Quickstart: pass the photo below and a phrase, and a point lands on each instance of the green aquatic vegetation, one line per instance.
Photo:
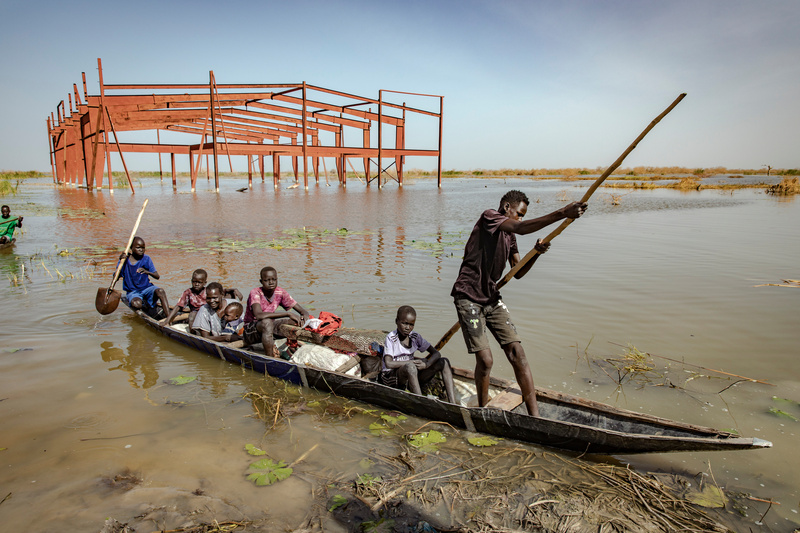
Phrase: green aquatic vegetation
(268, 472)
(393, 420)
(252, 450)
(383, 525)
(15, 350)
(483, 441)
(182, 380)
(439, 244)
(782, 414)
(292, 238)
(80, 212)
(366, 463)
(367, 480)
(337, 501)
(784, 400)
(427, 442)
(386, 424)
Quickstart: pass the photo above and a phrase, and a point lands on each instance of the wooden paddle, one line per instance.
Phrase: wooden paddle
(533, 253)
(107, 300)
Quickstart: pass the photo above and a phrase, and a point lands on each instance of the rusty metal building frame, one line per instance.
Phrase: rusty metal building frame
(252, 120)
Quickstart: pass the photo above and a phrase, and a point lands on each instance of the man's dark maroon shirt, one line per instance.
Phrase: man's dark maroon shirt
(486, 254)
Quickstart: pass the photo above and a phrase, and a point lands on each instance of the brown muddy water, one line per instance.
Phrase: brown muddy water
(85, 398)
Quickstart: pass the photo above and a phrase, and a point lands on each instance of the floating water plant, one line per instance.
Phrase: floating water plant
(427, 442)
(438, 244)
(252, 450)
(337, 501)
(368, 479)
(782, 414)
(268, 472)
(385, 425)
(182, 380)
(482, 441)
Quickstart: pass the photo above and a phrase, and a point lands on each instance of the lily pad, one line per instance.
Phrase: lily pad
(269, 472)
(182, 380)
(711, 496)
(482, 441)
(393, 420)
(252, 450)
(427, 442)
(378, 428)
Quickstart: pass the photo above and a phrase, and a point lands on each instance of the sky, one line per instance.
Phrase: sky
(526, 84)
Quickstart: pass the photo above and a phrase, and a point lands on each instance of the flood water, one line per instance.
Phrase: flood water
(84, 397)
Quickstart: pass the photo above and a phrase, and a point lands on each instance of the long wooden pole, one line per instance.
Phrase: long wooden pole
(556, 232)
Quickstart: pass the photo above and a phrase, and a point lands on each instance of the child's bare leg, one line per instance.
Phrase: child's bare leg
(266, 326)
(447, 377)
(408, 375)
(161, 294)
(136, 304)
(442, 365)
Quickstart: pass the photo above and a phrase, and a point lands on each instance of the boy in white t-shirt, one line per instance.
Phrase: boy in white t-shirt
(401, 369)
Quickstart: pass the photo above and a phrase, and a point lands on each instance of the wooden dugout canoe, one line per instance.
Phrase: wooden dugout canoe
(567, 422)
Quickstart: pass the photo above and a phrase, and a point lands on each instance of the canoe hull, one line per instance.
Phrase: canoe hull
(567, 422)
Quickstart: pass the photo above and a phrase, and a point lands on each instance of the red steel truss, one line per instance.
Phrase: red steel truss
(296, 120)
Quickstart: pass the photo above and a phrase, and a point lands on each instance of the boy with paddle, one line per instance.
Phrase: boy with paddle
(477, 299)
(136, 272)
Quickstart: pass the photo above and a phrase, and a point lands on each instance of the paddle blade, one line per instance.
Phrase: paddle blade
(106, 301)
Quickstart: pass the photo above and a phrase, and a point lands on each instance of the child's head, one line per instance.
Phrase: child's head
(269, 279)
(6, 211)
(199, 278)
(232, 312)
(137, 247)
(214, 295)
(405, 320)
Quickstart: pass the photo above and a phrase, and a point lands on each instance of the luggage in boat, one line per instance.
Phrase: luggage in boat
(324, 358)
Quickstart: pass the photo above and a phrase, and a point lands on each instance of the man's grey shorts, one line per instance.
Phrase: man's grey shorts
(475, 318)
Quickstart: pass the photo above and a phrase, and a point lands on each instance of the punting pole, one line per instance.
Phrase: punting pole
(533, 253)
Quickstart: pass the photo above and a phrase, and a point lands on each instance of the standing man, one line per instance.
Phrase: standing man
(493, 242)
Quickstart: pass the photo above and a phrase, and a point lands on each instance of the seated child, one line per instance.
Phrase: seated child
(262, 317)
(232, 319)
(8, 225)
(401, 369)
(208, 323)
(194, 298)
(136, 273)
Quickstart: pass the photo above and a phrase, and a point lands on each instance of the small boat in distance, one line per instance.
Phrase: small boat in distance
(567, 422)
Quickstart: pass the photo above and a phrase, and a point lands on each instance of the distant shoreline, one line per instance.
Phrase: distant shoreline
(635, 173)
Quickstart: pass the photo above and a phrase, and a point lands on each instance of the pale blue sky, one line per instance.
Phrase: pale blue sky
(526, 84)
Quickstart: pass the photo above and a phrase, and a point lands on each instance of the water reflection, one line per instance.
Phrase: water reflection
(143, 363)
